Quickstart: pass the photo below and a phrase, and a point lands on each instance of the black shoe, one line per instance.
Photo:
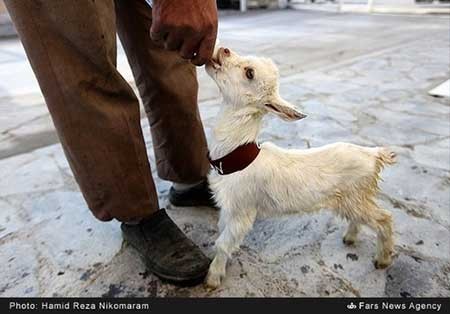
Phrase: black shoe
(166, 251)
(199, 195)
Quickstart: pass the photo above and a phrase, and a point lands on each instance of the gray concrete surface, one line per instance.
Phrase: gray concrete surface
(360, 78)
(6, 27)
(376, 6)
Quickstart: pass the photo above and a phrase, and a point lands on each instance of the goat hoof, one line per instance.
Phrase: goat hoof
(213, 280)
(348, 241)
(381, 265)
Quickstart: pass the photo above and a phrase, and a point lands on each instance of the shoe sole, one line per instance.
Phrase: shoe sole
(177, 200)
(190, 204)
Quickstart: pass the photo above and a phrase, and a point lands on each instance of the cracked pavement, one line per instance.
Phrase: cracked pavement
(360, 78)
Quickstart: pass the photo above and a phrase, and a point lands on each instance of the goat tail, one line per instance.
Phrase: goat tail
(385, 157)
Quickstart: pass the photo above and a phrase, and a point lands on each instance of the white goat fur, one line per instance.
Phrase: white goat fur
(341, 176)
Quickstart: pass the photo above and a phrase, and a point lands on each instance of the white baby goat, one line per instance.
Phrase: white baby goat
(341, 176)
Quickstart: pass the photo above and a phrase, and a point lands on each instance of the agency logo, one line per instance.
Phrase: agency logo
(351, 306)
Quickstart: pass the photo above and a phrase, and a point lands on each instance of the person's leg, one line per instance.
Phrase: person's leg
(71, 46)
(168, 88)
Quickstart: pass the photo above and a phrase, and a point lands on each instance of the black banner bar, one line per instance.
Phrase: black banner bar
(222, 305)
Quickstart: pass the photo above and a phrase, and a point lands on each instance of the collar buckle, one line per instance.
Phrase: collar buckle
(219, 168)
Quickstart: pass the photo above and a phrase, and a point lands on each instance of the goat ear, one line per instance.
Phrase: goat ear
(284, 110)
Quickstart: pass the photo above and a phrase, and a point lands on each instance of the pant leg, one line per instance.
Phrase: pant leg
(71, 46)
(168, 88)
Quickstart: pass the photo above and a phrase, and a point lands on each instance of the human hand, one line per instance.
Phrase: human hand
(188, 26)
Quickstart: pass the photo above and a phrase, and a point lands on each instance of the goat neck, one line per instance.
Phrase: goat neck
(234, 127)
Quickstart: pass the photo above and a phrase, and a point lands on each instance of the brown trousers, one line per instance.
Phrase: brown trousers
(71, 46)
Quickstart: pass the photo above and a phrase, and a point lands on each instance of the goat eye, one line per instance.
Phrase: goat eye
(250, 73)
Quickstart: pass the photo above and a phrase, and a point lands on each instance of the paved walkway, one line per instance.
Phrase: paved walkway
(360, 78)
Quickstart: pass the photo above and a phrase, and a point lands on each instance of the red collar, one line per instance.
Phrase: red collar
(237, 160)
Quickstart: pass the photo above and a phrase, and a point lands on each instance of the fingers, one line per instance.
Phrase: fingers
(205, 51)
(174, 41)
(189, 48)
(158, 34)
(190, 45)
(163, 37)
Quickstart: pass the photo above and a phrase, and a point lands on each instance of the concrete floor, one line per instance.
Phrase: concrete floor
(360, 78)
